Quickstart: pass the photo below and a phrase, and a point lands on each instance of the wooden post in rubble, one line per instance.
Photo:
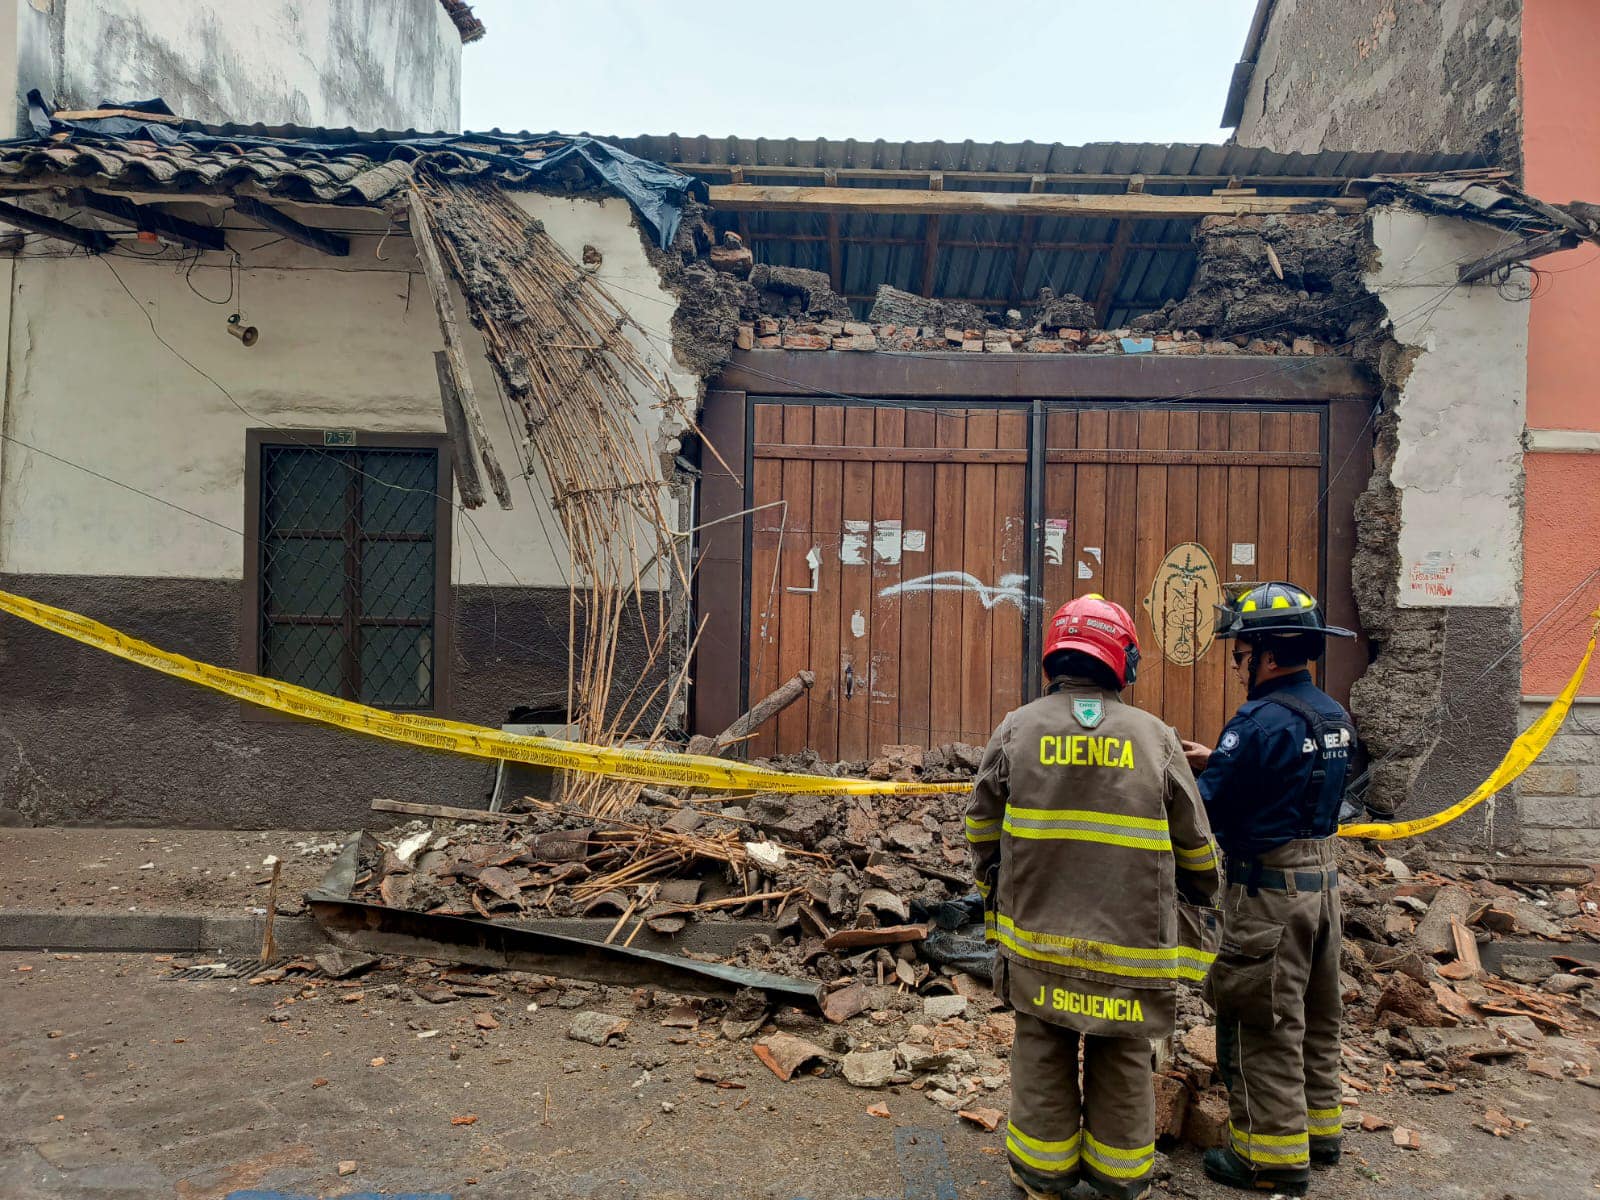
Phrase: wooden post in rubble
(269, 948)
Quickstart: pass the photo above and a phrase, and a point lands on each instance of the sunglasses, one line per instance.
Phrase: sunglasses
(1239, 656)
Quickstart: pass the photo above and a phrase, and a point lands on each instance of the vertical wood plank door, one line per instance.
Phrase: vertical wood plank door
(890, 548)
(1162, 509)
(915, 613)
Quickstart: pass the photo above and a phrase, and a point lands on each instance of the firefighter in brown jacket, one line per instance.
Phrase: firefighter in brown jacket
(1087, 838)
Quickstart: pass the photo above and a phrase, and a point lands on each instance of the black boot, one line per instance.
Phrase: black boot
(1035, 1188)
(1119, 1189)
(1226, 1167)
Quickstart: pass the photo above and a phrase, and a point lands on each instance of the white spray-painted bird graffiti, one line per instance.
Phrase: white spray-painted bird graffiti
(1008, 591)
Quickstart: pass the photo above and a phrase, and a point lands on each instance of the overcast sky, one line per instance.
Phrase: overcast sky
(1071, 71)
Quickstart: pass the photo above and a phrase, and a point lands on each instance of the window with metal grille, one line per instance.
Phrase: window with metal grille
(348, 549)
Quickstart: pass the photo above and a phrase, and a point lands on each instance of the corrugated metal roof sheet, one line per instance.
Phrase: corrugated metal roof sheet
(888, 249)
(1096, 158)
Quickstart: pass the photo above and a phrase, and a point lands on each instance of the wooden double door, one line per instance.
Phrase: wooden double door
(911, 554)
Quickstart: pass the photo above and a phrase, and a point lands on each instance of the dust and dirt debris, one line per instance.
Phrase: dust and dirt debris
(1066, 311)
(891, 306)
(1318, 289)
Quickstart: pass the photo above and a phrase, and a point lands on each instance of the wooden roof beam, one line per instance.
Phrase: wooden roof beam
(1030, 230)
(748, 171)
(148, 219)
(835, 242)
(969, 243)
(930, 244)
(1535, 247)
(93, 240)
(936, 202)
(1112, 272)
(307, 235)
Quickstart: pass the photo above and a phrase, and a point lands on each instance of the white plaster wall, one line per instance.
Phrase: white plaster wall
(10, 32)
(1458, 465)
(371, 64)
(345, 344)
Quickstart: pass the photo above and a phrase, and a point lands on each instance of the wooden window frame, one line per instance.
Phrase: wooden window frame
(443, 596)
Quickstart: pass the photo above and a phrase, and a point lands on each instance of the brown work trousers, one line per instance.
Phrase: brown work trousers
(1275, 987)
(1106, 1130)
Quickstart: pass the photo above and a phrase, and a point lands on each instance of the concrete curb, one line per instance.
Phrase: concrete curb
(154, 932)
(85, 929)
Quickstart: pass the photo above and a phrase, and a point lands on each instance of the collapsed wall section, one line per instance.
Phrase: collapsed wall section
(1434, 568)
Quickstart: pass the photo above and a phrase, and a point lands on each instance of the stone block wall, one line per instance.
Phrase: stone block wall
(1559, 796)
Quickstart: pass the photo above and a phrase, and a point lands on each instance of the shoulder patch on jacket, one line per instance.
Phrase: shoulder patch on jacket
(1229, 740)
(1088, 711)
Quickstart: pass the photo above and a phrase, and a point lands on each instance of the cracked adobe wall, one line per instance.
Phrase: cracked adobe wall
(1438, 575)
(371, 64)
(1388, 75)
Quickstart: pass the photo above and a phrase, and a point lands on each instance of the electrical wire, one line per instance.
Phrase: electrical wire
(344, 462)
(239, 533)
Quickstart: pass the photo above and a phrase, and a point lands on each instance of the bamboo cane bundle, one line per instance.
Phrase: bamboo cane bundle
(580, 370)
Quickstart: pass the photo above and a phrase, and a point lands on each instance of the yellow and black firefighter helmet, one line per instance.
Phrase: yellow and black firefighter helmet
(1274, 609)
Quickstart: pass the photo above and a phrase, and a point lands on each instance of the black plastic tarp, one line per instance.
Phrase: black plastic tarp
(656, 192)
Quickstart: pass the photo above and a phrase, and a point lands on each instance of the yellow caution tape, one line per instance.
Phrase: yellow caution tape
(1527, 747)
(456, 737)
(655, 766)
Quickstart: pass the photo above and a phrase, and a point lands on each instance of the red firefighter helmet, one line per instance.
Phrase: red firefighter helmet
(1095, 626)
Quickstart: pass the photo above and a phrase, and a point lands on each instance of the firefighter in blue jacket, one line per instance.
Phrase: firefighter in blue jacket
(1272, 790)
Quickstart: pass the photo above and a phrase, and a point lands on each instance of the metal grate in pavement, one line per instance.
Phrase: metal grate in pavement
(225, 968)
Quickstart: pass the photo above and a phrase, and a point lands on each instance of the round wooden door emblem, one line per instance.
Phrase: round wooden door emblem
(1182, 600)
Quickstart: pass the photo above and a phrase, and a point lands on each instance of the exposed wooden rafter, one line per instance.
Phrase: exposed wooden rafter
(93, 240)
(930, 240)
(318, 239)
(967, 243)
(456, 425)
(149, 219)
(935, 202)
(1545, 243)
(1111, 273)
(1030, 230)
(746, 172)
(422, 236)
(835, 242)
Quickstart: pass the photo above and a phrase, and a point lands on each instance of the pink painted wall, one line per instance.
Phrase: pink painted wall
(1561, 531)
(1561, 154)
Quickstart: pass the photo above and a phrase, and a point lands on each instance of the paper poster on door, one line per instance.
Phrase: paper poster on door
(1056, 530)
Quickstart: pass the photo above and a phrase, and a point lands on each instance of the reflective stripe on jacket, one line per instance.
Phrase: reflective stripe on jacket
(1085, 826)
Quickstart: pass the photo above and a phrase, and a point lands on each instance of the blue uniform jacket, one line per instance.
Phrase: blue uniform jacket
(1255, 786)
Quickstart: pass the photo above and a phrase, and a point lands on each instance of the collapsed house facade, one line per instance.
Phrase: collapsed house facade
(1511, 82)
(870, 412)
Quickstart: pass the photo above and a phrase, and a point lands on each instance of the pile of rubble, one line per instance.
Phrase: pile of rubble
(837, 877)
(1041, 337)
(1452, 968)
